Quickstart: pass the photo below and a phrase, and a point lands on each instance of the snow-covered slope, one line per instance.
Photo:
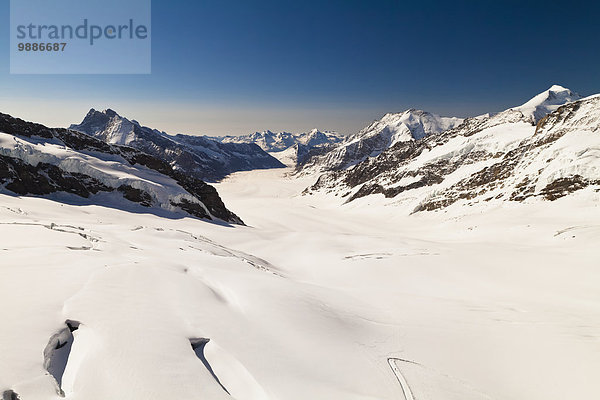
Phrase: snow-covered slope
(310, 301)
(42, 161)
(489, 158)
(289, 156)
(371, 141)
(199, 156)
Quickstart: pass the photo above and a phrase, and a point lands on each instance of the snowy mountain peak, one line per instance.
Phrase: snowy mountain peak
(315, 137)
(410, 124)
(392, 128)
(557, 88)
(199, 156)
(110, 113)
(108, 126)
(548, 101)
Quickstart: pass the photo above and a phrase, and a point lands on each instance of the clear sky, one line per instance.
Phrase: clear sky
(238, 66)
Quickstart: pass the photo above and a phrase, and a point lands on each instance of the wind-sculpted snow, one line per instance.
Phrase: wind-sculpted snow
(199, 156)
(229, 373)
(312, 300)
(140, 296)
(57, 351)
(488, 158)
(41, 161)
(199, 345)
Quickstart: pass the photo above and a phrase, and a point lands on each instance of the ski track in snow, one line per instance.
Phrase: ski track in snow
(403, 383)
(427, 384)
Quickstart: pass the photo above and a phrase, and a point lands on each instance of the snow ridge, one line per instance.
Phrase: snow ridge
(547, 102)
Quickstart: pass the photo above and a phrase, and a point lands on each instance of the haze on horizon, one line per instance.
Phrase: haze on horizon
(292, 66)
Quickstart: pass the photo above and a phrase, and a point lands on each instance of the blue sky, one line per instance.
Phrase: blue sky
(237, 66)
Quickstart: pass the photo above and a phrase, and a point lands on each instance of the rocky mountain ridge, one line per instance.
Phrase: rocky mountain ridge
(393, 128)
(488, 158)
(200, 156)
(36, 160)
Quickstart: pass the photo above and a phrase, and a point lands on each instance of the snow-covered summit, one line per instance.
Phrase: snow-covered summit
(547, 101)
(315, 137)
(108, 126)
(408, 125)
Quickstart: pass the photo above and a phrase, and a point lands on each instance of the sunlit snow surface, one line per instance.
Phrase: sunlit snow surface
(312, 300)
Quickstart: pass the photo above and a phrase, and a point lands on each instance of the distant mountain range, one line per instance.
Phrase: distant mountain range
(287, 147)
(546, 148)
(280, 141)
(199, 156)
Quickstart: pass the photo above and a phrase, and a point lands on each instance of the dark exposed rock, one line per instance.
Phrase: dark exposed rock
(136, 195)
(208, 195)
(564, 186)
(367, 189)
(306, 155)
(195, 209)
(10, 395)
(22, 178)
(16, 126)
